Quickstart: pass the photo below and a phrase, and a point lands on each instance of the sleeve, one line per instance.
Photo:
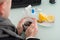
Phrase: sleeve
(32, 38)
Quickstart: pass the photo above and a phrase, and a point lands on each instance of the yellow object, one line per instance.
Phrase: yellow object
(42, 17)
(50, 18)
(45, 18)
(39, 21)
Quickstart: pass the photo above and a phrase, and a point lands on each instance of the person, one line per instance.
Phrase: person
(8, 30)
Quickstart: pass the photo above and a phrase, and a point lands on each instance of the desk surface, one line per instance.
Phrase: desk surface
(52, 33)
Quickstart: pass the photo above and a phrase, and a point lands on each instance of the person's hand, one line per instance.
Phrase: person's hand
(19, 26)
(32, 29)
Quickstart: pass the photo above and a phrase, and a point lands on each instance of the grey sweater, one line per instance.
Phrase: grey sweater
(9, 32)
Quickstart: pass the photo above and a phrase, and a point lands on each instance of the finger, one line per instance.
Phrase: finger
(30, 27)
(34, 21)
(19, 26)
(21, 22)
(33, 26)
(20, 30)
(28, 31)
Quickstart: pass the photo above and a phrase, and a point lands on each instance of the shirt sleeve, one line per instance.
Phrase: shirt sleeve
(32, 38)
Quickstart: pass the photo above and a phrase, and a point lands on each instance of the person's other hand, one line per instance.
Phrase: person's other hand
(19, 26)
(32, 29)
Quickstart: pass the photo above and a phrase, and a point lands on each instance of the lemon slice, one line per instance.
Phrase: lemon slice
(50, 18)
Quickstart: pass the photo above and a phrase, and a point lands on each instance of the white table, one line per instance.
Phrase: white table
(52, 33)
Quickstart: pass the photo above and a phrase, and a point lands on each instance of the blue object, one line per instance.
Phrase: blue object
(33, 11)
